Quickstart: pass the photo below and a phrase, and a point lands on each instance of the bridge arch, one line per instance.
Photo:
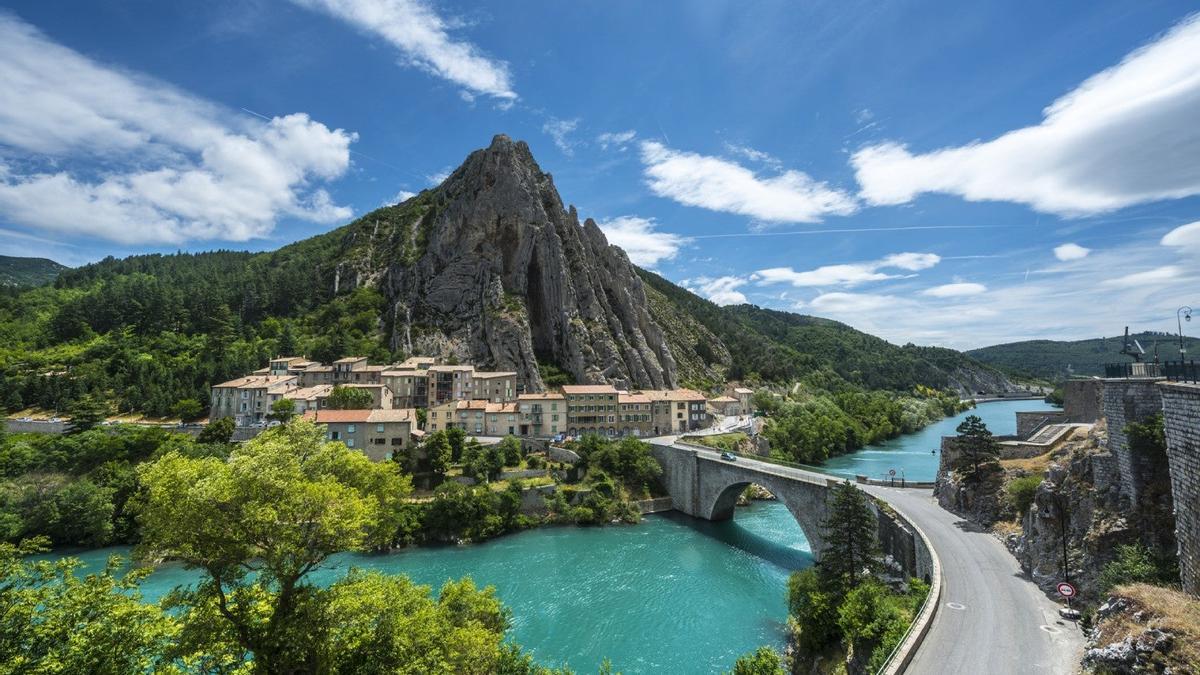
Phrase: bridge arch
(806, 504)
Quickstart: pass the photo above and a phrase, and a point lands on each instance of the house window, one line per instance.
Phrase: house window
(349, 442)
(350, 428)
(379, 428)
(335, 435)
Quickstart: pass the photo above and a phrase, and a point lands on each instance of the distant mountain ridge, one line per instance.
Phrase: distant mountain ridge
(489, 268)
(1058, 359)
(17, 271)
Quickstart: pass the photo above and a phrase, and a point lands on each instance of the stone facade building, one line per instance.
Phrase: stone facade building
(376, 433)
(248, 399)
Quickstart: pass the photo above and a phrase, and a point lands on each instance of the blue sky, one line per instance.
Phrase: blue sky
(944, 173)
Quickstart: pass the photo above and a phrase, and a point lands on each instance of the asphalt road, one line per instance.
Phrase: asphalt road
(991, 620)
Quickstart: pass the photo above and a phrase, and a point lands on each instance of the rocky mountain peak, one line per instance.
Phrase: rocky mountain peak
(508, 277)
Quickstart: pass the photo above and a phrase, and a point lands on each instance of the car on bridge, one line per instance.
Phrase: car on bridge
(728, 456)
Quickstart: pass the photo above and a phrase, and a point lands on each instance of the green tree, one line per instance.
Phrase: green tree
(217, 432)
(86, 413)
(257, 525)
(1135, 563)
(55, 620)
(1021, 492)
(763, 661)
(978, 450)
(510, 448)
(851, 550)
(283, 410)
(872, 622)
(76, 514)
(348, 398)
(457, 438)
(813, 605)
(438, 452)
(187, 409)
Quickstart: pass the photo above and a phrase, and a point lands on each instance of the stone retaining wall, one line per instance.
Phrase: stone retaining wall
(1129, 400)
(1029, 422)
(1181, 422)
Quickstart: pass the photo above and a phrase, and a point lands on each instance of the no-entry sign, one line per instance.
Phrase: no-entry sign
(1066, 590)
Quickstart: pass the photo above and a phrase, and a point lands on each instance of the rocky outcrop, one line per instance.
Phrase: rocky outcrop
(1079, 499)
(498, 272)
(1145, 629)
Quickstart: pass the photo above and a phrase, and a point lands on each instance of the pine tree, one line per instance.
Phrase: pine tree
(85, 414)
(978, 450)
(852, 549)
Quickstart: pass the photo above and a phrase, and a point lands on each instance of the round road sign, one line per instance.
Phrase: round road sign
(1066, 590)
(892, 472)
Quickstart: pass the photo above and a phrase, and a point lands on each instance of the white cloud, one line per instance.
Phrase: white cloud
(1184, 237)
(721, 185)
(400, 197)
(955, 290)
(617, 139)
(1068, 252)
(436, 179)
(560, 130)
(754, 155)
(850, 274)
(121, 156)
(721, 290)
(856, 303)
(1126, 135)
(641, 241)
(423, 37)
(1060, 302)
(1158, 275)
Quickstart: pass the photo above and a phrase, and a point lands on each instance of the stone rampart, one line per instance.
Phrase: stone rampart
(1126, 401)
(1181, 423)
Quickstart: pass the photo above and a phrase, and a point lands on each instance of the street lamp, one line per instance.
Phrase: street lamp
(1186, 313)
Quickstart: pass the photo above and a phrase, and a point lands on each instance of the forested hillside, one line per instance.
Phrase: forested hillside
(1056, 360)
(16, 271)
(440, 272)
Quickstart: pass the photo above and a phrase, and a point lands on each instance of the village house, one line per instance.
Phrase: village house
(744, 397)
(408, 386)
(635, 413)
(497, 387)
(541, 415)
(591, 409)
(248, 399)
(381, 396)
(376, 433)
(448, 383)
(309, 398)
(676, 410)
(724, 406)
(500, 419)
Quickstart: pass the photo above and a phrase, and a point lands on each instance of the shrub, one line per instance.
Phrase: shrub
(1134, 564)
(1021, 492)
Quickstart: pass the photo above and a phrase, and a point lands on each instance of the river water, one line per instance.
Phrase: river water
(910, 455)
(671, 595)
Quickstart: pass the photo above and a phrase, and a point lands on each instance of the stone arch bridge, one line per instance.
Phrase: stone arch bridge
(703, 485)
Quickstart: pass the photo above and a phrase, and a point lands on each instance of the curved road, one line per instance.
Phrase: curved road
(992, 620)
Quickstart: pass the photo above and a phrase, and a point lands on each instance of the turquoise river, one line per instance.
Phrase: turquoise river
(671, 595)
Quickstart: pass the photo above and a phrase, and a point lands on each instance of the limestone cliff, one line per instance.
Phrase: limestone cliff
(489, 267)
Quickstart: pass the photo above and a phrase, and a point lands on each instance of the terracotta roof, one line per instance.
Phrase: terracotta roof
(257, 381)
(540, 397)
(338, 416)
(485, 374)
(723, 399)
(632, 398)
(309, 393)
(686, 395)
(743, 390)
(393, 415)
(360, 416)
(444, 368)
(501, 408)
(474, 404)
(588, 389)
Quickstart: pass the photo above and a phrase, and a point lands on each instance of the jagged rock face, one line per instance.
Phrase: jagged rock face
(508, 275)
